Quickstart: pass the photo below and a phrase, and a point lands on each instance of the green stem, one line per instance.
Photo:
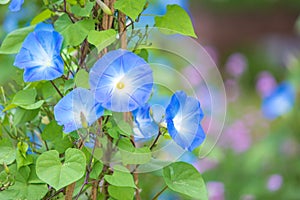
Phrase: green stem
(56, 88)
(159, 193)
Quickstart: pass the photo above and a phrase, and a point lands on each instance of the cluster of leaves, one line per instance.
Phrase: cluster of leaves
(39, 160)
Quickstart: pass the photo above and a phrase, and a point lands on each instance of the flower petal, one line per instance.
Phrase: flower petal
(183, 116)
(129, 70)
(145, 127)
(40, 54)
(78, 102)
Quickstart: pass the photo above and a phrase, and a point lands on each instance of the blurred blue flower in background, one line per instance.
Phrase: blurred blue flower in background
(15, 5)
(145, 126)
(183, 117)
(121, 80)
(77, 109)
(1, 109)
(36, 142)
(280, 101)
(40, 54)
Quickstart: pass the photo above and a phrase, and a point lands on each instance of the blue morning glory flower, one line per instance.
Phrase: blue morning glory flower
(280, 101)
(15, 5)
(121, 80)
(77, 109)
(40, 54)
(145, 126)
(183, 116)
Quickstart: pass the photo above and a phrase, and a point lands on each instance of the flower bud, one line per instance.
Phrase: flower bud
(104, 7)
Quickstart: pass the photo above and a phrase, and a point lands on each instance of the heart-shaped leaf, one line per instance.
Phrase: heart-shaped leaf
(121, 177)
(50, 169)
(184, 178)
(7, 152)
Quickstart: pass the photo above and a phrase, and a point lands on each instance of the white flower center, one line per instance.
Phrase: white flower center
(48, 62)
(177, 121)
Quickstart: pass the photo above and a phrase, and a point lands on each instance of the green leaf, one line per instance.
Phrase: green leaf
(102, 39)
(33, 106)
(121, 177)
(82, 79)
(21, 157)
(57, 174)
(24, 97)
(7, 152)
(54, 133)
(46, 14)
(126, 145)
(143, 53)
(69, 84)
(121, 193)
(21, 116)
(74, 34)
(4, 1)
(96, 170)
(82, 12)
(33, 178)
(176, 20)
(12, 43)
(184, 178)
(62, 23)
(72, 2)
(22, 189)
(131, 8)
(125, 128)
(138, 156)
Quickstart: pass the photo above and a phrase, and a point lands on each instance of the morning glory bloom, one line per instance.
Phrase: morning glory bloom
(280, 101)
(121, 81)
(183, 116)
(77, 109)
(15, 5)
(145, 126)
(40, 54)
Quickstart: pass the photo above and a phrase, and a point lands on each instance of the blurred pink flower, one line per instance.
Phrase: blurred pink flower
(274, 182)
(248, 197)
(232, 90)
(192, 75)
(212, 51)
(236, 64)
(237, 136)
(265, 84)
(215, 190)
(206, 164)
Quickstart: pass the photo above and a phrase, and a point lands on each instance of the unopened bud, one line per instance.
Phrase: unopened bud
(104, 7)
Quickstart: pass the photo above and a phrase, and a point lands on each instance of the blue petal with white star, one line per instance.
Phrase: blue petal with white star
(183, 117)
(40, 54)
(121, 80)
(76, 109)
